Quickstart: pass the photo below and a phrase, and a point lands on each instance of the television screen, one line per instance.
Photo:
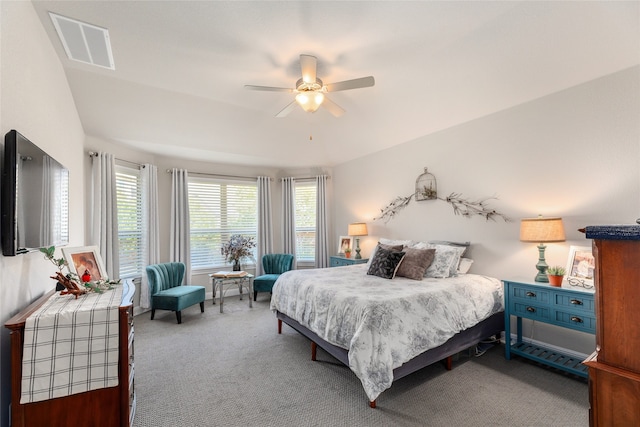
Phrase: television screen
(35, 198)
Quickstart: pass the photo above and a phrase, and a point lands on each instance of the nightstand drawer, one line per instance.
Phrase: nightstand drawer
(577, 321)
(531, 294)
(530, 311)
(338, 261)
(574, 302)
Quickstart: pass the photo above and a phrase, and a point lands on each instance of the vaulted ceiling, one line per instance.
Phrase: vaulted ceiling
(181, 66)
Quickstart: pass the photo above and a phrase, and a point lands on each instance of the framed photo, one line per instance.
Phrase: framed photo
(85, 258)
(581, 264)
(344, 242)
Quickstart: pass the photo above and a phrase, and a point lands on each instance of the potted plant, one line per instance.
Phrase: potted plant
(555, 274)
(237, 248)
(347, 253)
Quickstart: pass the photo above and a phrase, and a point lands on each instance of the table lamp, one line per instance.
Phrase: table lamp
(541, 230)
(357, 229)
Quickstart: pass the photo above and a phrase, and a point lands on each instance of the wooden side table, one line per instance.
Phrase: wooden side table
(245, 281)
(339, 261)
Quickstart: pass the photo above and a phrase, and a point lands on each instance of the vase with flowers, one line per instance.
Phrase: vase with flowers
(237, 248)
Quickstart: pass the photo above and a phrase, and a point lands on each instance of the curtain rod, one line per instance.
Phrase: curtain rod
(94, 154)
(305, 178)
(221, 175)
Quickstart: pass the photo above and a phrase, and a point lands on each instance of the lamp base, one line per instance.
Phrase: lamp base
(541, 265)
(540, 277)
(358, 256)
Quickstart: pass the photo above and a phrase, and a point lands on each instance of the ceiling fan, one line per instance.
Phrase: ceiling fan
(310, 90)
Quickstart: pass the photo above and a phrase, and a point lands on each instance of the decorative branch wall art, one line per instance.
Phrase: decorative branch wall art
(426, 190)
(461, 206)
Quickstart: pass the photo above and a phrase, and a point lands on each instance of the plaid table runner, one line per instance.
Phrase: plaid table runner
(71, 346)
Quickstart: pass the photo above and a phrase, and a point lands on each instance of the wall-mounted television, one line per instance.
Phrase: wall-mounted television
(35, 198)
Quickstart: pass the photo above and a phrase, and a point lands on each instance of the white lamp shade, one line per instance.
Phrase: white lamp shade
(357, 229)
(542, 230)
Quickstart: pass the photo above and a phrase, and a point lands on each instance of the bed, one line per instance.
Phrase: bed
(386, 329)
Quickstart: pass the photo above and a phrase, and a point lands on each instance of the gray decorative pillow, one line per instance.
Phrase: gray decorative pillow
(415, 263)
(385, 263)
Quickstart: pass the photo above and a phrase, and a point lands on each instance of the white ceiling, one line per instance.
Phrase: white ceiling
(180, 68)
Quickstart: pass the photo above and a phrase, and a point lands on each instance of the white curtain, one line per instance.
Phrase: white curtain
(289, 216)
(180, 236)
(322, 223)
(265, 227)
(104, 215)
(151, 227)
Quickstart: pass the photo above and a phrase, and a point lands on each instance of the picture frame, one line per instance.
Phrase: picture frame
(581, 264)
(344, 242)
(85, 258)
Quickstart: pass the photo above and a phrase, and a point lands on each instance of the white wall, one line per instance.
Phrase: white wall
(574, 154)
(35, 99)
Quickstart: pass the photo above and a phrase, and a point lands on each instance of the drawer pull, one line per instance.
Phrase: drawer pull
(531, 294)
(576, 319)
(576, 302)
(531, 309)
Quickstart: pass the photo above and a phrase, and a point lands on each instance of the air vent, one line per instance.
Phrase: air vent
(84, 42)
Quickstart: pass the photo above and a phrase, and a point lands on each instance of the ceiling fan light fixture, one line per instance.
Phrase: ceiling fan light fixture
(310, 101)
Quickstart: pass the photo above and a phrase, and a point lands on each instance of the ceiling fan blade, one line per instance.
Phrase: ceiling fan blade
(351, 84)
(269, 88)
(308, 64)
(333, 108)
(286, 110)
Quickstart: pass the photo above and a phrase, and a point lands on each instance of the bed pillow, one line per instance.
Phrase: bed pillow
(395, 242)
(447, 253)
(385, 263)
(415, 263)
(465, 265)
(396, 247)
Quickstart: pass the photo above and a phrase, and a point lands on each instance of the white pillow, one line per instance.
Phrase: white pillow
(465, 265)
(391, 242)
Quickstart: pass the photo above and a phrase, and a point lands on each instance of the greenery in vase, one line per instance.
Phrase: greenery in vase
(238, 247)
(556, 270)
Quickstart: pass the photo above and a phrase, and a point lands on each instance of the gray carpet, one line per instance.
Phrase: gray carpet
(233, 369)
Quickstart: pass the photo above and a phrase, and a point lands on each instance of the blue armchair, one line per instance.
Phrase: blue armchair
(273, 265)
(166, 290)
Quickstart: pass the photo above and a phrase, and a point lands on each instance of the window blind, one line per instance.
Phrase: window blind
(219, 208)
(130, 222)
(305, 221)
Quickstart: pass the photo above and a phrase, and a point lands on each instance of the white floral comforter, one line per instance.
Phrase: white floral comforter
(384, 323)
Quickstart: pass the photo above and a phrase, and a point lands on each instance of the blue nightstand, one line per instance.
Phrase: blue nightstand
(567, 307)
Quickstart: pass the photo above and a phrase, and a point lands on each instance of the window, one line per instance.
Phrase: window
(131, 234)
(306, 221)
(218, 209)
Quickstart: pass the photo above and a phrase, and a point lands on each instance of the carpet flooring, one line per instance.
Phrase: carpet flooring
(233, 369)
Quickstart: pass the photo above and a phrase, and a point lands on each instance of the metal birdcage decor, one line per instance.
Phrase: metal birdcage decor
(426, 188)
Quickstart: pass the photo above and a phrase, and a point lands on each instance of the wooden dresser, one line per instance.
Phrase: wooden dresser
(614, 368)
(113, 406)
